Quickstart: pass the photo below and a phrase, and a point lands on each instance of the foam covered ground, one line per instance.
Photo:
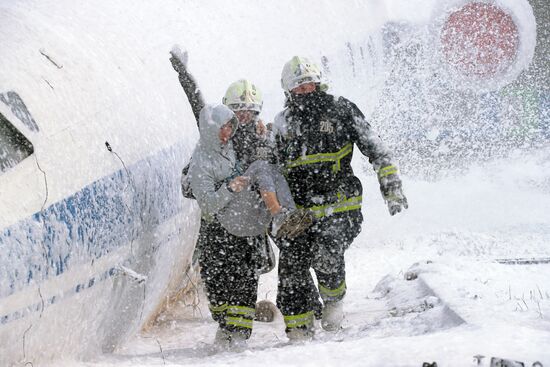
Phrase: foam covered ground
(462, 303)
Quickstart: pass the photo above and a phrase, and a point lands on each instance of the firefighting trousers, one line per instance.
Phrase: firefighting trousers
(229, 271)
(322, 248)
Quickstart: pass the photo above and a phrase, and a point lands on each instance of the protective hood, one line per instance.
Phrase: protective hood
(212, 163)
(212, 118)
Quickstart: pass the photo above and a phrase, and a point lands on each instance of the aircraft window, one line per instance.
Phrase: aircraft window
(14, 147)
(19, 109)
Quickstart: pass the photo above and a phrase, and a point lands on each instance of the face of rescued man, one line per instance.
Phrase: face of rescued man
(226, 131)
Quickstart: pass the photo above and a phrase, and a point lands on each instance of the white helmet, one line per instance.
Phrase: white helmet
(300, 70)
(243, 95)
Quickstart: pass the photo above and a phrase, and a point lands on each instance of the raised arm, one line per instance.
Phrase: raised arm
(178, 58)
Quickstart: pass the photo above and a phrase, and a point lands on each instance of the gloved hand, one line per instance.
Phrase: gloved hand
(392, 191)
(178, 58)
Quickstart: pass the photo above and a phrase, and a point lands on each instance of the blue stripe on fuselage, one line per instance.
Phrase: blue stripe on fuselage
(110, 212)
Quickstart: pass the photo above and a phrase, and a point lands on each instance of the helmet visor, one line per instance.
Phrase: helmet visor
(245, 107)
(303, 80)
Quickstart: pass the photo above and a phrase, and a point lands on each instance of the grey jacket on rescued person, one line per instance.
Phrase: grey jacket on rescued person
(213, 165)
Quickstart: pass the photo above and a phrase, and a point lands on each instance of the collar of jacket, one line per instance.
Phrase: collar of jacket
(308, 108)
(316, 100)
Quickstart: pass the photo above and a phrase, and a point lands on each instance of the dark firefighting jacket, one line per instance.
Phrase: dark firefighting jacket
(314, 138)
(249, 146)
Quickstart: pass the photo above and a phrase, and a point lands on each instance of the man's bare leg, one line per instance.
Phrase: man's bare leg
(271, 202)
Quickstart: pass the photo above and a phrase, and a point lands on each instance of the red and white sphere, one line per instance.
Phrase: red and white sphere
(487, 41)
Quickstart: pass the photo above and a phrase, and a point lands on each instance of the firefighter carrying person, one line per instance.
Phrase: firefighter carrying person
(315, 136)
(231, 154)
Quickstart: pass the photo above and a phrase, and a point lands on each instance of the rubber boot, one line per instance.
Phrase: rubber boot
(238, 342)
(333, 315)
(302, 333)
(222, 338)
(230, 340)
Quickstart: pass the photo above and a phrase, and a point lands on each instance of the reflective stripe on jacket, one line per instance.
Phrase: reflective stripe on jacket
(315, 139)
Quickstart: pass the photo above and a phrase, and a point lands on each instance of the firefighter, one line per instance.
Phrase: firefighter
(231, 302)
(315, 136)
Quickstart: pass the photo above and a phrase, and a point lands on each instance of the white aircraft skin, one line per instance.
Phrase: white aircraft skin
(94, 232)
(76, 219)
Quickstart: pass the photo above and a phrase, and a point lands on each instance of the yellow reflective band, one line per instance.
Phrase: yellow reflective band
(341, 206)
(241, 310)
(238, 321)
(219, 308)
(323, 157)
(333, 292)
(386, 171)
(302, 319)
